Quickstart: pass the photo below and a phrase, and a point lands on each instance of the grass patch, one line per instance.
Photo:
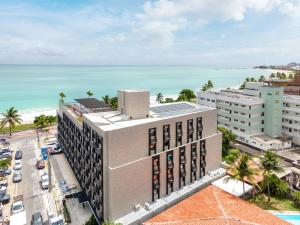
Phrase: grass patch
(281, 204)
(19, 127)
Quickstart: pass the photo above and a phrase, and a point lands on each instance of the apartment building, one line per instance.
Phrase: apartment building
(291, 117)
(255, 114)
(137, 154)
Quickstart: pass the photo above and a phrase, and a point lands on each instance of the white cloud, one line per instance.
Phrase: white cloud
(163, 18)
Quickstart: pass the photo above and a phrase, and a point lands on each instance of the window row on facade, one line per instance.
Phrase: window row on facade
(197, 154)
(191, 130)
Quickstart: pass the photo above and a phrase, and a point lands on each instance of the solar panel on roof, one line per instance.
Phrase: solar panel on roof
(171, 108)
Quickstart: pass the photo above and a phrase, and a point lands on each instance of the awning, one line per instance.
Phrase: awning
(234, 187)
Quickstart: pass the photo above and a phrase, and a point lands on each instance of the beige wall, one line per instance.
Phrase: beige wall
(131, 143)
(128, 166)
(131, 184)
(134, 103)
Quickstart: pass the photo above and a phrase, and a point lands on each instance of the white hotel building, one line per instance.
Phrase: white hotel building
(261, 116)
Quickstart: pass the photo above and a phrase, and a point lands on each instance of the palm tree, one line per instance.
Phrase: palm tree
(89, 93)
(159, 98)
(62, 96)
(240, 170)
(106, 99)
(270, 163)
(11, 118)
(40, 122)
(261, 78)
(210, 85)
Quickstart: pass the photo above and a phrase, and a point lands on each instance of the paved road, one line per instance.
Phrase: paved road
(35, 199)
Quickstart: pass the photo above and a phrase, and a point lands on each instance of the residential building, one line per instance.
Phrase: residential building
(257, 114)
(132, 157)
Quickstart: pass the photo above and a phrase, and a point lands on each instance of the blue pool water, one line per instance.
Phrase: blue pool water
(292, 218)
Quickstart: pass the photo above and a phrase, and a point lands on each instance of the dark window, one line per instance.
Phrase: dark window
(178, 134)
(182, 165)
(190, 130)
(170, 174)
(166, 137)
(155, 178)
(199, 128)
(152, 141)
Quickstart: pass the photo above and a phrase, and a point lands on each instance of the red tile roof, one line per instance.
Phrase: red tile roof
(213, 206)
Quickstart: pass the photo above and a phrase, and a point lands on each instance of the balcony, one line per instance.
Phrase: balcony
(170, 164)
(166, 137)
(182, 173)
(170, 178)
(156, 184)
(155, 170)
(182, 159)
(179, 133)
(194, 156)
(203, 163)
(153, 140)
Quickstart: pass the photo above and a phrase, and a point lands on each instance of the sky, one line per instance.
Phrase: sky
(157, 32)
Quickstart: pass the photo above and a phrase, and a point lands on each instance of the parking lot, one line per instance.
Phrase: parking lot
(34, 197)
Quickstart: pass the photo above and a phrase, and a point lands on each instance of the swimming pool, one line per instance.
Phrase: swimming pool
(292, 218)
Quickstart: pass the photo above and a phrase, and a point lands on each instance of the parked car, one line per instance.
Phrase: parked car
(4, 198)
(17, 205)
(3, 190)
(4, 171)
(37, 219)
(17, 177)
(18, 164)
(5, 155)
(3, 182)
(45, 181)
(40, 164)
(18, 155)
(4, 150)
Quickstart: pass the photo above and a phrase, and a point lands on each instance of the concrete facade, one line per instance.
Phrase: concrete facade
(139, 153)
(254, 114)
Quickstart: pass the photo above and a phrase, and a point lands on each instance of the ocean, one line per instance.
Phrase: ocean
(32, 88)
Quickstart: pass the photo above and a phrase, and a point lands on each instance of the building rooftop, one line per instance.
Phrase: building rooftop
(212, 206)
(92, 103)
(111, 120)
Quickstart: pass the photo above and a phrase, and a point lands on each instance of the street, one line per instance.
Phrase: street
(35, 199)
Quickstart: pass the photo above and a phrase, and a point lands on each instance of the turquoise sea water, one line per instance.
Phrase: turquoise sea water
(292, 218)
(31, 87)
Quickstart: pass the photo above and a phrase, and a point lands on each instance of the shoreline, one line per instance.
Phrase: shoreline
(28, 115)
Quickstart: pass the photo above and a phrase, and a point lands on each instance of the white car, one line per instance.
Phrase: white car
(45, 181)
(17, 207)
(18, 165)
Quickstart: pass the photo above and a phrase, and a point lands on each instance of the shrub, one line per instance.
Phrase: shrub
(66, 212)
(282, 189)
(296, 198)
(91, 221)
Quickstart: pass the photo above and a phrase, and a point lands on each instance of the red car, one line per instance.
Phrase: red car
(40, 164)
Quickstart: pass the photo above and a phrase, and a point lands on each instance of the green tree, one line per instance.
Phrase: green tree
(168, 100)
(114, 102)
(92, 221)
(296, 198)
(272, 75)
(252, 79)
(89, 93)
(233, 154)
(291, 76)
(240, 170)
(40, 122)
(10, 118)
(227, 137)
(159, 97)
(204, 87)
(269, 162)
(186, 95)
(62, 96)
(261, 78)
(106, 99)
(210, 85)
